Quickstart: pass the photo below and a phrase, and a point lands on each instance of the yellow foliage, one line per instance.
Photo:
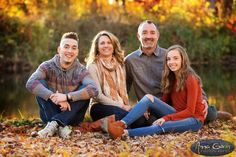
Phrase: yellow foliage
(229, 136)
(212, 100)
(196, 12)
(126, 146)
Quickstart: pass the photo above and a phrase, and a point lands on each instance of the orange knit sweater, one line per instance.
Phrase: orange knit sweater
(187, 102)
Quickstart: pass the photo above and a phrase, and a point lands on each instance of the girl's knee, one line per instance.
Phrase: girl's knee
(150, 97)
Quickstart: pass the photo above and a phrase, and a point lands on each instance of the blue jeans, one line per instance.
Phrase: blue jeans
(211, 114)
(99, 111)
(50, 111)
(160, 108)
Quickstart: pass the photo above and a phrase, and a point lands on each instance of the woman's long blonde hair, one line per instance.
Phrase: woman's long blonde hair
(185, 69)
(93, 53)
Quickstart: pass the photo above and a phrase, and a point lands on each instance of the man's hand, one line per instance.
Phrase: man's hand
(64, 106)
(58, 97)
(205, 111)
(159, 121)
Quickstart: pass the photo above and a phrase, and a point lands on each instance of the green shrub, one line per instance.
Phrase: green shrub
(13, 38)
(204, 44)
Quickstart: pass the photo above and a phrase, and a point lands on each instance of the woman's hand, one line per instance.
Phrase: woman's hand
(126, 107)
(159, 121)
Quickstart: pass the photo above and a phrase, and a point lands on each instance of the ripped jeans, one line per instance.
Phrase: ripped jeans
(161, 109)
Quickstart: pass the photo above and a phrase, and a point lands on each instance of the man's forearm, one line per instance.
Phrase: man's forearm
(85, 93)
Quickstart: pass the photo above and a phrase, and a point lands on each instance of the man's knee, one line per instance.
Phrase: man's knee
(150, 97)
(40, 101)
(79, 104)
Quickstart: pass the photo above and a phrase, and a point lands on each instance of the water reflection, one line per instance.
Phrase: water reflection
(17, 102)
(219, 83)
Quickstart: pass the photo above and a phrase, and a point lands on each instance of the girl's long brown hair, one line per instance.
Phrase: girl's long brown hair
(169, 76)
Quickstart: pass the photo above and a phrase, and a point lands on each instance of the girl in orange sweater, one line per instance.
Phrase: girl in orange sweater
(181, 88)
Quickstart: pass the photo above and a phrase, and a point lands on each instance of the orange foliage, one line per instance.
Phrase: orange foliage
(231, 23)
(23, 9)
(196, 12)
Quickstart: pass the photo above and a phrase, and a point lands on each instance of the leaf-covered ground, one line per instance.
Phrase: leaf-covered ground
(16, 139)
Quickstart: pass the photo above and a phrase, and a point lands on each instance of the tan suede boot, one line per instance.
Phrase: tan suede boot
(116, 129)
(99, 125)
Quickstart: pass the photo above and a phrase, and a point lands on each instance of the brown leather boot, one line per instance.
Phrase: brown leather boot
(116, 129)
(223, 115)
(99, 125)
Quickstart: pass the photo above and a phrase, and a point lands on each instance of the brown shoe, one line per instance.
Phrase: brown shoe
(223, 115)
(116, 129)
(97, 125)
(105, 122)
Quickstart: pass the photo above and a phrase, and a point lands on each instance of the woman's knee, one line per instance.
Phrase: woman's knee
(150, 97)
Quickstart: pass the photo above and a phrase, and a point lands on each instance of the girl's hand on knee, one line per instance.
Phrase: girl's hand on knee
(159, 121)
(126, 107)
(205, 111)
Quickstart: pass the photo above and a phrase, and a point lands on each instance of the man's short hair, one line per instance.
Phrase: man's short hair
(149, 22)
(71, 35)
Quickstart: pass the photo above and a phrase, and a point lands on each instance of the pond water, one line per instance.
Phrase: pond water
(218, 82)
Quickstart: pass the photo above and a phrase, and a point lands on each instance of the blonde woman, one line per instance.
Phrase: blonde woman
(106, 66)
